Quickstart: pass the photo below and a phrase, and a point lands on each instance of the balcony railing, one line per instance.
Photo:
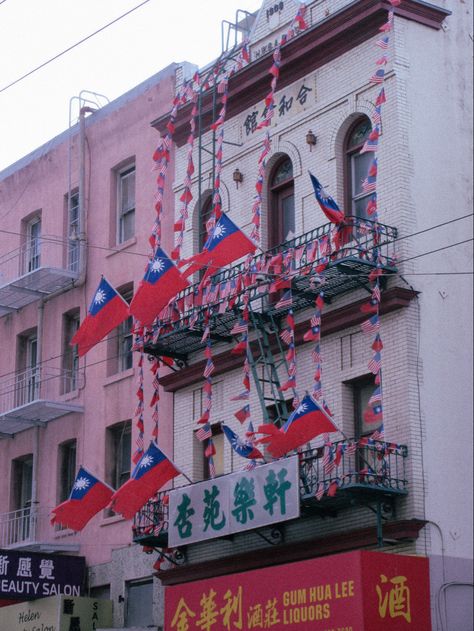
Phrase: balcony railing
(179, 331)
(367, 471)
(18, 528)
(36, 395)
(30, 529)
(34, 270)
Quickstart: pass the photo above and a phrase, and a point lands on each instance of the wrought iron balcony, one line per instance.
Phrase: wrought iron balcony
(368, 473)
(35, 396)
(370, 244)
(34, 270)
(30, 529)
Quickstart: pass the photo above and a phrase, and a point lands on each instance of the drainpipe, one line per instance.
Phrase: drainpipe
(36, 430)
(82, 195)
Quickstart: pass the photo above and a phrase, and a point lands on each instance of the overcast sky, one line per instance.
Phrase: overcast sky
(126, 53)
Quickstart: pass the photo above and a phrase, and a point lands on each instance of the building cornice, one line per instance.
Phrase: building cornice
(331, 322)
(315, 47)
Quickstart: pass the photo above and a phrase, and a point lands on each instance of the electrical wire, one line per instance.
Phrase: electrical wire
(81, 41)
(61, 241)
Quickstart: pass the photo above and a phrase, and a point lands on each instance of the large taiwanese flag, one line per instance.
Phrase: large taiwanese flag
(309, 420)
(162, 281)
(107, 310)
(153, 471)
(225, 244)
(88, 496)
(326, 202)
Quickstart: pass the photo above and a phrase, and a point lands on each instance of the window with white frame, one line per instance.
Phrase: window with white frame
(32, 255)
(73, 231)
(126, 204)
(71, 323)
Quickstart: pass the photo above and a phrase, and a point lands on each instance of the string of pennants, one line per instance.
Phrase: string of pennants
(156, 301)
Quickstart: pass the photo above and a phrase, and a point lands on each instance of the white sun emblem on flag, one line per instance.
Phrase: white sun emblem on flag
(219, 231)
(157, 266)
(301, 408)
(146, 461)
(99, 296)
(81, 484)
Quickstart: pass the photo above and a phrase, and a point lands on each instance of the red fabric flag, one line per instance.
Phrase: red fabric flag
(161, 282)
(88, 496)
(304, 424)
(152, 472)
(107, 310)
(226, 244)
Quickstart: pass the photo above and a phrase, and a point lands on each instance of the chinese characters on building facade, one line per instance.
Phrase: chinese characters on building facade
(292, 100)
(233, 503)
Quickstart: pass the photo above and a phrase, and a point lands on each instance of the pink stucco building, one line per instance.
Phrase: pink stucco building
(80, 206)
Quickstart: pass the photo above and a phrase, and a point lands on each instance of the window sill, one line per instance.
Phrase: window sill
(107, 521)
(64, 532)
(68, 396)
(119, 247)
(126, 374)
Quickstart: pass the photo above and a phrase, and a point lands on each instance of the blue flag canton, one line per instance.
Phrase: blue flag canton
(243, 448)
(321, 194)
(150, 459)
(82, 485)
(223, 228)
(158, 266)
(103, 295)
(306, 406)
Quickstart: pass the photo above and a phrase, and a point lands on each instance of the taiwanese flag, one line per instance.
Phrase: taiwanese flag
(152, 472)
(305, 423)
(373, 413)
(241, 447)
(162, 281)
(107, 310)
(226, 244)
(88, 496)
(326, 202)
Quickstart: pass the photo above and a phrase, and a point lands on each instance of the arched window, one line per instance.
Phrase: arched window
(356, 168)
(281, 217)
(205, 212)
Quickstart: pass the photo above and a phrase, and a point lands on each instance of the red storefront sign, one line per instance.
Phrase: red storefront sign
(356, 591)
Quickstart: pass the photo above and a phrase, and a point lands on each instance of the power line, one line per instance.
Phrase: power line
(60, 240)
(84, 39)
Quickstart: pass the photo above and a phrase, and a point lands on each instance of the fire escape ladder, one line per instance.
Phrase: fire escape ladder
(265, 358)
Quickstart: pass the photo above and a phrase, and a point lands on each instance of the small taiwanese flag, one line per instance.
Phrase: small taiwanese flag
(326, 202)
(152, 472)
(107, 310)
(373, 413)
(244, 448)
(162, 281)
(88, 496)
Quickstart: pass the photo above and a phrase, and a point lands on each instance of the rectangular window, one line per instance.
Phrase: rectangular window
(124, 344)
(126, 204)
(67, 468)
(28, 373)
(139, 611)
(32, 255)
(119, 453)
(22, 477)
(73, 232)
(20, 527)
(218, 457)
(70, 353)
(362, 390)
